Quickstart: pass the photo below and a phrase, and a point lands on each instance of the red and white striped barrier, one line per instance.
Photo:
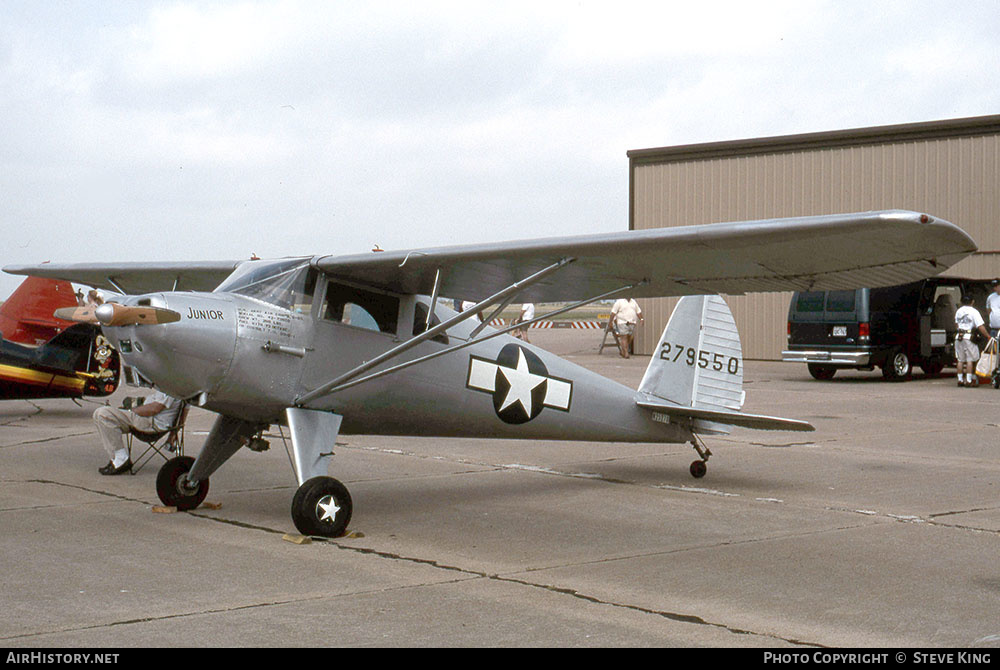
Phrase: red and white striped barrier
(579, 324)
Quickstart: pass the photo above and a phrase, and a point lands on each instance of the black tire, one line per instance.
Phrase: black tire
(822, 372)
(932, 368)
(170, 486)
(698, 469)
(897, 365)
(315, 500)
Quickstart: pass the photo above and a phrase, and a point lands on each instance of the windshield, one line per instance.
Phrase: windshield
(288, 284)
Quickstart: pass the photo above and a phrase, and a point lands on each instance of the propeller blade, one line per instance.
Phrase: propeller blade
(113, 314)
(78, 314)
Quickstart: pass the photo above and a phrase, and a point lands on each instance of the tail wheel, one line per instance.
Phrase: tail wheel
(173, 487)
(322, 506)
(698, 469)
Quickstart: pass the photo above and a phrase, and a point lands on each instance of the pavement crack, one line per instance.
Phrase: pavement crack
(45, 439)
(672, 616)
(961, 511)
(38, 410)
(81, 488)
(700, 547)
(217, 610)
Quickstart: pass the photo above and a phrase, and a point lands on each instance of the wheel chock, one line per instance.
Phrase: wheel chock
(164, 510)
(296, 539)
(211, 505)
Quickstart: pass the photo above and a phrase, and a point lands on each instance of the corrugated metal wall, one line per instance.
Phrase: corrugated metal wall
(956, 178)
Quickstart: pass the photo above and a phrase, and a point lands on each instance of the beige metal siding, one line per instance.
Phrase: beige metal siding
(955, 178)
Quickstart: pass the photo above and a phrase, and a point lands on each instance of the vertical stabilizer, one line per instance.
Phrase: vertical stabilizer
(699, 360)
(26, 316)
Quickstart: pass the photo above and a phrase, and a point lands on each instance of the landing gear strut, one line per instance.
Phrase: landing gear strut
(699, 468)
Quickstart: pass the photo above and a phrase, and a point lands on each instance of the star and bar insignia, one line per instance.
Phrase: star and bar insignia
(520, 384)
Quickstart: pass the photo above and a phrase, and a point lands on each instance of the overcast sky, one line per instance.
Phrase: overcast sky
(213, 130)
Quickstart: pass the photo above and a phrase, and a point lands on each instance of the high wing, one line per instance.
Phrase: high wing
(135, 278)
(815, 252)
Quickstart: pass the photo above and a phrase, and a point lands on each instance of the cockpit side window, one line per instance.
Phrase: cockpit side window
(361, 308)
(286, 284)
(420, 323)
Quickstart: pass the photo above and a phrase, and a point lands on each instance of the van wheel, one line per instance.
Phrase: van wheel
(822, 372)
(897, 365)
(932, 368)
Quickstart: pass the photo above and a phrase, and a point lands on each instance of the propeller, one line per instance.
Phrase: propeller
(78, 314)
(113, 314)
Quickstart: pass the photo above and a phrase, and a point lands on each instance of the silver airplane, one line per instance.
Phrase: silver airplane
(363, 344)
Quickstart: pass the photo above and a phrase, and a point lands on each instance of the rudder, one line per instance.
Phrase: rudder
(698, 361)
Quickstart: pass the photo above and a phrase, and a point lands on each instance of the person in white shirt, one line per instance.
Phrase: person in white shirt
(527, 314)
(156, 414)
(625, 316)
(968, 319)
(993, 305)
(467, 305)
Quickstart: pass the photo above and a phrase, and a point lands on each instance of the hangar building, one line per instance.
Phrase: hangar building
(950, 169)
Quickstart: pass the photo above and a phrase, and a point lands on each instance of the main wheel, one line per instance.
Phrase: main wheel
(322, 506)
(822, 372)
(698, 469)
(897, 365)
(173, 487)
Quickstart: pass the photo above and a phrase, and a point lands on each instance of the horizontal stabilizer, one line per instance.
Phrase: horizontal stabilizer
(754, 421)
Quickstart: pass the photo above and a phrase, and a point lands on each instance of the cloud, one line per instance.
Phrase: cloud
(191, 130)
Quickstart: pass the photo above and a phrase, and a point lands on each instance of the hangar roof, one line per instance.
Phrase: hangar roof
(929, 130)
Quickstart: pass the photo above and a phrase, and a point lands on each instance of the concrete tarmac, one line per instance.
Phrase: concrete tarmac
(881, 528)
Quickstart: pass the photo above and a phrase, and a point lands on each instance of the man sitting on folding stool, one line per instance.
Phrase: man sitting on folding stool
(156, 415)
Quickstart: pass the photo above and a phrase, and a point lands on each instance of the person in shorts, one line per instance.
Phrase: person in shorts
(968, 319)
(625, 316)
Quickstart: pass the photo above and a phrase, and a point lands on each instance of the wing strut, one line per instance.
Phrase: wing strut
(494, 314)
(513, 289)
(434, 298)
(115, 284)
(333, 388)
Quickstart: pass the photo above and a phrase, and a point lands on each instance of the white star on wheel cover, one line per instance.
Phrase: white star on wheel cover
(326, 509)
(519, 383)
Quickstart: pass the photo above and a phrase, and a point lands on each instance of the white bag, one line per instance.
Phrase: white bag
(987, 360)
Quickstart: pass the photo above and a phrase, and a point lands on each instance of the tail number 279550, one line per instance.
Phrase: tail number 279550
(704, 359)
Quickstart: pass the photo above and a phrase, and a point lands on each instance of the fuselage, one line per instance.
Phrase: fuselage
(248, 358)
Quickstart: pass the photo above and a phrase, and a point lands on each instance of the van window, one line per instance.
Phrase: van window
(900, 299)
(946, 302)
(810, 301)
(840, 301)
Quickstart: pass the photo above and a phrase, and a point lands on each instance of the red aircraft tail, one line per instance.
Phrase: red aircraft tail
(26, 316)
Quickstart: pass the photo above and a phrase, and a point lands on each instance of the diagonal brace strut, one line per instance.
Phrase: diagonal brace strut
(443, 352)
(513, 289)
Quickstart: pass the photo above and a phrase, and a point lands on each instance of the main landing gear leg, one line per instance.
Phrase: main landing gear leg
(182, 482)
(699, 468)
(322, 505)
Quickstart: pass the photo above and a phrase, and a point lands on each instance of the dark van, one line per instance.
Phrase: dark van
(892, 328)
